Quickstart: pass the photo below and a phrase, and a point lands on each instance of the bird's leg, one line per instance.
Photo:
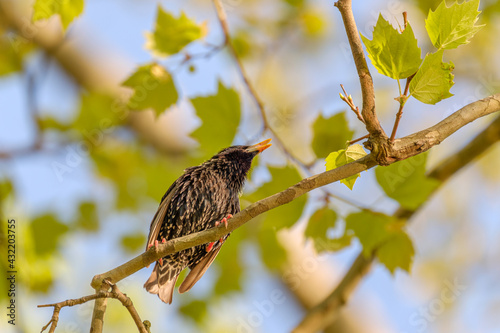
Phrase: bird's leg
(163, 241)
(224, 220)
(210, 246)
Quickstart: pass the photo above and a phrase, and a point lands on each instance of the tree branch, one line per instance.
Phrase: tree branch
(410, 146)
(368, 108)
(325, 313)
(115, 293)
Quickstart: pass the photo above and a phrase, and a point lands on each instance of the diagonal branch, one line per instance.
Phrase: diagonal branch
(365, 78)
(411, 145)
(325, 313)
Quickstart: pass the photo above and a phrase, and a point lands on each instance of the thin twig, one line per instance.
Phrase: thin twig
(359, 139)
(402, 101)
(115, 293)
(348, 99)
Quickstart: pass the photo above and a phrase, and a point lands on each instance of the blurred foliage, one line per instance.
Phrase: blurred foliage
(66, 10)
(172, 34)
(330, 134)
(220, 115)
(406, 181)
(153, 88)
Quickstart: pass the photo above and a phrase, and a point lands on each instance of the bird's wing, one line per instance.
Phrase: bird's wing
(197, 272)
(157, 222)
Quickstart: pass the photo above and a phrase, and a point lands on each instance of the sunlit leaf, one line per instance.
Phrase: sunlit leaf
(433, 80)
(344, 156)
(330, 134)
(397, 252)
(319, 223)
(153, 88)
(220, 115)
(450, 27)
(171, 34)
(67, 10)
(393, 54)
(406, 182)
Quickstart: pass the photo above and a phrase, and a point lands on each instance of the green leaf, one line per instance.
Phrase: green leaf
(283, 216)
(371, 228)
(319, 223)
(393, 54)
(330, 134)
(67, 10)
(220, 116)
(133, 242)
(47, 230)
(172, 34)
(196, 310)
(433, 80)
(87, 218)
(397, 252)
(342, 157)
(450, 27)
(153, 88)
(406, 182)
(272, 253)
(334, 244)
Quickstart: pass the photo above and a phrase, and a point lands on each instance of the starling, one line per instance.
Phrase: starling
(203, 197)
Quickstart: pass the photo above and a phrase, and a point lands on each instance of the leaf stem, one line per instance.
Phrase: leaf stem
(402, 101)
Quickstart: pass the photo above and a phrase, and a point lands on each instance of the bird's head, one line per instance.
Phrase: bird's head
(235, 161)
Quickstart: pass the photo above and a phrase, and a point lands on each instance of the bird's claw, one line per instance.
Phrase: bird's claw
(224, 220)
(209, 246)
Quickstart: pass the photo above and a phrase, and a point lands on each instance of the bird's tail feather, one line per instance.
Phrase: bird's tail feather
(162, 282)
(197, 271)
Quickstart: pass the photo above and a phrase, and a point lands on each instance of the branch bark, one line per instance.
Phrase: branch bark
(325, 313)
(410, 145)
(368, 108)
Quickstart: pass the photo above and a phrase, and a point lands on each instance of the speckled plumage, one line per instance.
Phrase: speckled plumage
(202, 196)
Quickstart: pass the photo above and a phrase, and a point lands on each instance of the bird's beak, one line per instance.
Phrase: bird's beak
(260, 147)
